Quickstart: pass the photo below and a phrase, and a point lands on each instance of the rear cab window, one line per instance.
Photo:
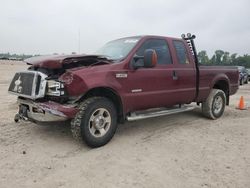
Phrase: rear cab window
(181, 52)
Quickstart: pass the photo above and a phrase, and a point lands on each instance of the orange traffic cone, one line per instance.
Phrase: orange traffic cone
(241, 105)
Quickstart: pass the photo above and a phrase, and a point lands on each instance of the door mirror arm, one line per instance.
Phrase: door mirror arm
(136, 63)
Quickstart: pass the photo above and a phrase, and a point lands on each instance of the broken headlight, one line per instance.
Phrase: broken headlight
(55, 88)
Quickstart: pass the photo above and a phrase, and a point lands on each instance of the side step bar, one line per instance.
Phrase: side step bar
(156, 112)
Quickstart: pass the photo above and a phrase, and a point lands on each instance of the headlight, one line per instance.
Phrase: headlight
(55, 88)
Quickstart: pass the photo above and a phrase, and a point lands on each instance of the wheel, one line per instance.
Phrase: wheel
(96, 122)
(214, 106)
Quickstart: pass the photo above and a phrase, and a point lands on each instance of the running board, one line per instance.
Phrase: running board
(156, 112)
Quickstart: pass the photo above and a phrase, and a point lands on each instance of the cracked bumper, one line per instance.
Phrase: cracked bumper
(46, 111)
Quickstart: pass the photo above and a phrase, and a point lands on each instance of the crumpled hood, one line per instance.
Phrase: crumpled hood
(58, 61)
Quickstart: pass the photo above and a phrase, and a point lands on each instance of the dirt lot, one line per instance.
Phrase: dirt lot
(182, 150)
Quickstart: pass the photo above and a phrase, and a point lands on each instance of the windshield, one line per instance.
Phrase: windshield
(118, 49)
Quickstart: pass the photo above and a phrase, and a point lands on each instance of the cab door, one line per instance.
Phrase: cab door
(151, 87)
(184, 72)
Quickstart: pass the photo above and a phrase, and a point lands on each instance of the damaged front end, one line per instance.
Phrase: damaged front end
(43, 96)
(35, 98)
(44, 111)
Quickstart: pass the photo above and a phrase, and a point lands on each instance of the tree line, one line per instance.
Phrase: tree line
(221, 57)
(6, 56)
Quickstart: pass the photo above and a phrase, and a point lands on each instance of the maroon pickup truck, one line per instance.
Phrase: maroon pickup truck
(130, 79)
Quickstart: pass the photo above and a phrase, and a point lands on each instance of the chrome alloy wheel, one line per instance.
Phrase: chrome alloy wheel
(99, 122)
(218, 105)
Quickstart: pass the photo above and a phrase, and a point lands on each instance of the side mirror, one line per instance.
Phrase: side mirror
(150, 58)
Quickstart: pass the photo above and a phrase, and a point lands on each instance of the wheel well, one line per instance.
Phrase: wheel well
(110, 94)
(223, 85)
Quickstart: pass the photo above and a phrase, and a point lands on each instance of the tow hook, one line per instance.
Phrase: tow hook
(22, 114)
(19, 117)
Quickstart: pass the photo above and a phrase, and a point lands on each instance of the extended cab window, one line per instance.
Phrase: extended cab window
(181, 52)
(161, 48)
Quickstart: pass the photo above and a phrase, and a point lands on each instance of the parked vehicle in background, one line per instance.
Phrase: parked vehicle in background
(243, 75)
(248, 72)
(130, 79)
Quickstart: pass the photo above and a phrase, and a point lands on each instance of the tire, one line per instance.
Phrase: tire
(96, 122)
(214, 105)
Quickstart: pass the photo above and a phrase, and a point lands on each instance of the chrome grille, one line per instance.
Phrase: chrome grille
(29, 84)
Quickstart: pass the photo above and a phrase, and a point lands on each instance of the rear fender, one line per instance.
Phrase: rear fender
(221, 82)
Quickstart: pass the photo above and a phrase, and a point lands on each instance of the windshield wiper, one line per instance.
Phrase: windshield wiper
(106, 57)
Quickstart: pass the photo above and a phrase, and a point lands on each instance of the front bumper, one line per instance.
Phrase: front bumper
(45, 111)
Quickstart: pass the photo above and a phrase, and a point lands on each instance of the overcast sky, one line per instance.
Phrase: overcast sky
(52, 26)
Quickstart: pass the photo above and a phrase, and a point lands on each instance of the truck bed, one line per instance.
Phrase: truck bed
(209, 74)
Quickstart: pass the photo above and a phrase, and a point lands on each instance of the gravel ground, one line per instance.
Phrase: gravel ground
(182, 150)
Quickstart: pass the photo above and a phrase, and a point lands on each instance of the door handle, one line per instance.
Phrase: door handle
(175, 76)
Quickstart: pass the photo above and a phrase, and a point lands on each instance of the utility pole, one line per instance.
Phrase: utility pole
(79, 40)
